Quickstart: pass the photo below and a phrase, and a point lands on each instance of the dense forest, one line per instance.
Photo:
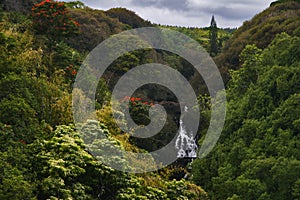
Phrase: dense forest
(43, 155)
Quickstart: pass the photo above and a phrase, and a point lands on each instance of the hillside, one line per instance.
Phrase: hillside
(201, 35)
(98, 25)
(44, 156)
(16, 5)
(257, 156)
(261, 30)
(128, 17)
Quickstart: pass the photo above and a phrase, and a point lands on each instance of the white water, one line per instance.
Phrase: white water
(186, 145)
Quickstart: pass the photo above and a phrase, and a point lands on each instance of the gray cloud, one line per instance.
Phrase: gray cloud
(226, 13)
(163, 4)
(229, 13)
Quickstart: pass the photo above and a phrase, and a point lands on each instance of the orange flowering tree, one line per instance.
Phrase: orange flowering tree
(52, 18)
(139, 109)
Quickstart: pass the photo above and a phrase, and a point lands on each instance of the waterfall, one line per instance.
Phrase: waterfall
(186, 144)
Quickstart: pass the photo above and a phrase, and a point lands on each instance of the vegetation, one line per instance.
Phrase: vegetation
(260, 30)
(202, 35)
(95, 27)
(43, 155)
(213, 37)
(52, 18)
(128, 17)
(258, 154)
(282, 1)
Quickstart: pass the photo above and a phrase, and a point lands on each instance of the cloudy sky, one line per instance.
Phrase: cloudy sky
(196, 13)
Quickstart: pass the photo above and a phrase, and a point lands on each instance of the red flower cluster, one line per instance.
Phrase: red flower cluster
(42, 3)
(71, 70)
(74, 72)
(138, 109)
(51, 17)
(147, 103)
(136, 100)
(76, 23)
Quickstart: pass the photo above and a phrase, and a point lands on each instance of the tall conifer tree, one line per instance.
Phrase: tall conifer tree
(213, 37)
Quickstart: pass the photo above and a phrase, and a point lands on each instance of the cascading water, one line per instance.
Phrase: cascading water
(186, 144)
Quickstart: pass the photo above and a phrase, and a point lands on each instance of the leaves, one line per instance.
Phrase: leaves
(52, 18)
(258, 154)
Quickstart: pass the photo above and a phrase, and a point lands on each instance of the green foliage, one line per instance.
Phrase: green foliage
(202, 35)
(258, 153)
(20, 115)
(21, 22)
(296, 190)
(36, 76)
(102, 95)
(213, 37)
(24, 74)
(128, 17)
(138, 109)
(282, 1)
(248, 74)
(95, 26)
(283, 51)
(13, 183)
(51, 18)
(260, 30)
(61, 161)
(179, 190)
(14, 173)
(257, 156)
(65, 170)
(16, 5)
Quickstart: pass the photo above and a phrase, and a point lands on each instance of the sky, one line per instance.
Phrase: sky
(188, 13)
